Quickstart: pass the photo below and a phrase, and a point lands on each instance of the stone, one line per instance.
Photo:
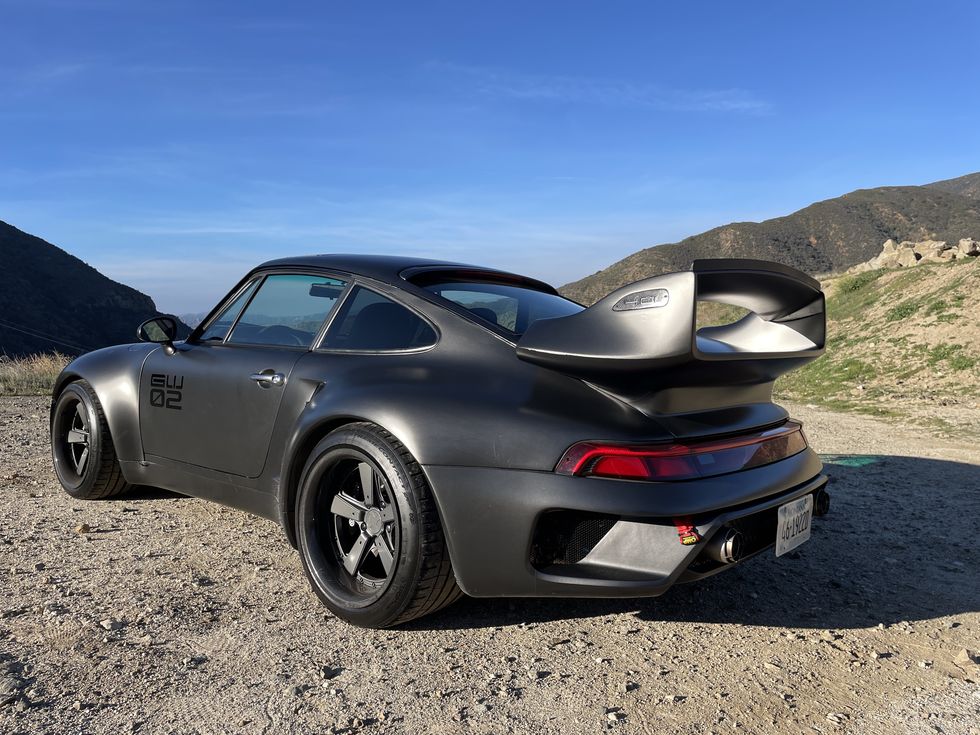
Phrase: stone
(889, 246)
(907, 258)
(82, 528)
(886, 260)
(969, 246)
(966, 658)
(930, 246)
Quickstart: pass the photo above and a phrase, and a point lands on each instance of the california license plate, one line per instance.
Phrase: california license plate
(794, 524)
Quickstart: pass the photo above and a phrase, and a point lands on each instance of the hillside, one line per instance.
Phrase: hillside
(825, 237)
(902, 341)
(50, 300)
(967, 186)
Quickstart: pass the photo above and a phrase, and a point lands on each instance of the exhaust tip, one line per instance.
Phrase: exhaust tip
(821, 502)
(726, 546)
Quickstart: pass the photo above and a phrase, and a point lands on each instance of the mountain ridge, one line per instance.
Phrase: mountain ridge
(825, 237)
(53, 301)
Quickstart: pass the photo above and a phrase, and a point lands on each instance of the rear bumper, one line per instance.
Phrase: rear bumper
(493, 521)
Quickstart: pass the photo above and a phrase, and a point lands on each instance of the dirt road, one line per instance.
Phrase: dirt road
(172, 615)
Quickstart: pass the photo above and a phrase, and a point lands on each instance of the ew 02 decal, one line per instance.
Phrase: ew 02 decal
(166, 391)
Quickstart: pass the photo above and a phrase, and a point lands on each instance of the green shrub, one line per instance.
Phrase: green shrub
(902, 311)
(961, 362)
(850, 284)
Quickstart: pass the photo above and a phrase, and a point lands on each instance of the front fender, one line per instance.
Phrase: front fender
(114, 374)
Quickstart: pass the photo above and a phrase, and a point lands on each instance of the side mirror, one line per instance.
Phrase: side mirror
(161, 330)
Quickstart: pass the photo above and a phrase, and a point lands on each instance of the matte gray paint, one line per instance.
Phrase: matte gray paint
(487, 427)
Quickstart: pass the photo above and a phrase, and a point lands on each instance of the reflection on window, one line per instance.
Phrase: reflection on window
(513, 308)
(218, 329)
(287, 311)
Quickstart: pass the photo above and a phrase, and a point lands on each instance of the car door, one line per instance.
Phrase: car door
(213, 402)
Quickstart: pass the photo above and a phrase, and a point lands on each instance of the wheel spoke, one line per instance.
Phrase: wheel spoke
(346, 507)
(82, 459)
(387, 513)
(355, 557)
(366, 474)
(384, 553)
(80, 418)
(77, 436)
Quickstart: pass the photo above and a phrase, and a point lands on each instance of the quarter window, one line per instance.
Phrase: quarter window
(287, 310)
(369, 321)
(513, 308)
(218, 329)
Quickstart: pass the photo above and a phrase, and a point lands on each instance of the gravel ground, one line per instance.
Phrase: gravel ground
(155, 613)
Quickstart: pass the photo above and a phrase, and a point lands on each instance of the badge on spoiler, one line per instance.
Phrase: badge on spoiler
(650, 299)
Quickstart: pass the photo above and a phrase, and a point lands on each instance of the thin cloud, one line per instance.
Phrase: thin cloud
(597, 91)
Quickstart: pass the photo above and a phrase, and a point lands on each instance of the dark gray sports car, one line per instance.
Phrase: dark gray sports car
(422, 429)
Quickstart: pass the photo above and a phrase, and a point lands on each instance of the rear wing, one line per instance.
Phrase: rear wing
(643, 337)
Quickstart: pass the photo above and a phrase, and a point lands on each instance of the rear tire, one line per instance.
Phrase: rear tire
(84, 456)
(376, 558)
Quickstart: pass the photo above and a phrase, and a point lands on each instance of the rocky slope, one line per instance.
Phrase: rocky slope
(50, 300)
(902, 341)
(826, 237)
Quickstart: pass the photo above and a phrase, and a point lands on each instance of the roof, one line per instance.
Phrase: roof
(380, 267)
(389, 268)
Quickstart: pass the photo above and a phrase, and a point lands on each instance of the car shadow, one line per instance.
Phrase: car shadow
(900, 544)
(137, 493)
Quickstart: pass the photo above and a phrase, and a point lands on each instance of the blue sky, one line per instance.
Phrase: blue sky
(174, 145)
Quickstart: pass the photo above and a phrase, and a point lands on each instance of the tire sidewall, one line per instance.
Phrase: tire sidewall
(76, 393)
(408, 560)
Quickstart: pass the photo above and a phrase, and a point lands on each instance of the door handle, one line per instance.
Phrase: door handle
(268, 378)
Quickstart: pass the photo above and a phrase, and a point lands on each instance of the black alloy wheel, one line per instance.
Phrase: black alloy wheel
(368, 530)
(84, 456)
(362, 520)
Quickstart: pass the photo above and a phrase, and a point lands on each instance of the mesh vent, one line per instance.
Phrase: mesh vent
(567, 537)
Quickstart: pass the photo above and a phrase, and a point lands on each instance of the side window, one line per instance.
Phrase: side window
(218, 329)
(287, 311)
(370, 321)
(495, 308)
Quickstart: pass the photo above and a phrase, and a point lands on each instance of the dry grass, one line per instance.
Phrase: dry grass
(30, 376)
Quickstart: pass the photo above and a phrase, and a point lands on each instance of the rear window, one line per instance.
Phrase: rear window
(513, 308)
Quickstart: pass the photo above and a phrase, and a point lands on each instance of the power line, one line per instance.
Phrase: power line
(41, 335)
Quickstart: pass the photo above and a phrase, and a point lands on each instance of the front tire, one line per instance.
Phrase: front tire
(81, 446)
(368, 530)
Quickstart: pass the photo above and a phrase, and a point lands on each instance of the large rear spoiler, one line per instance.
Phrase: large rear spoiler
(641, 340)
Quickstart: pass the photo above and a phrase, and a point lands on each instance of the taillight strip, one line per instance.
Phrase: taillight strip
(682, 461)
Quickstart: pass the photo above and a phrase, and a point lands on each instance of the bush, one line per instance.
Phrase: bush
(961, 362)
(32, 375)
(902, 311)
(859, 281)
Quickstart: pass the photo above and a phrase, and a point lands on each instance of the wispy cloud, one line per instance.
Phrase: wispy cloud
(597, 91)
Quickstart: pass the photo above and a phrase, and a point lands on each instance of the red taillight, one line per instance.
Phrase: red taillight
(672, 462)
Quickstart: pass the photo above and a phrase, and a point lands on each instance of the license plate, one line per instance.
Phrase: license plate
(794, 524)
